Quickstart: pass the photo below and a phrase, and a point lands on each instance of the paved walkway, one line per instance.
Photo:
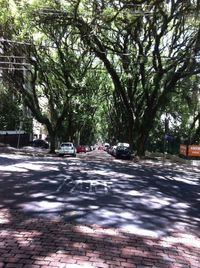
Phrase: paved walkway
(39, 243)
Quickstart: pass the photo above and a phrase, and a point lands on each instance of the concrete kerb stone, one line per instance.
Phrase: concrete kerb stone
(167, 159)
(35, 152)
(152, 157)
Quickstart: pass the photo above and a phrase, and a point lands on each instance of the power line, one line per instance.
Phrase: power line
(103, 52)
(137, 11)
(13, 69)
(138, 14)
(15, 63)
(17, 57)
(11, 41)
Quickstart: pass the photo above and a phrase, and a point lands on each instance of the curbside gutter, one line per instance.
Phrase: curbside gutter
(29, 151)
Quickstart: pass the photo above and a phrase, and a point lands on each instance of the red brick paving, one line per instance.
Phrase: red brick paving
(41, 243)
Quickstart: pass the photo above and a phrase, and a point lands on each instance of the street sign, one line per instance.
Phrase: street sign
(194, 150)
(183, 149)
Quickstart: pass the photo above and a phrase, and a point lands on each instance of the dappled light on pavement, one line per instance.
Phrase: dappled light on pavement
(32, 242)
(102, 213)
(145, 197)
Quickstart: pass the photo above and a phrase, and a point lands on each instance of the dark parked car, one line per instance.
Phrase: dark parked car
(81, 149)
(123, 150)
(40, 143)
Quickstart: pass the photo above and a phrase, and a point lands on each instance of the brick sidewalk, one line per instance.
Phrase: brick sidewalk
(39, 243)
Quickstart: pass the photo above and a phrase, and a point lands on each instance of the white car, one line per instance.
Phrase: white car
(67, 148)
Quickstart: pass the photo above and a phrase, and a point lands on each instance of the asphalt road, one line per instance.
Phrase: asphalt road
(149, 198)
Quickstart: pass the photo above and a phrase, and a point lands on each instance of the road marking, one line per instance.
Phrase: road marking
(91, 185)
(63, 183)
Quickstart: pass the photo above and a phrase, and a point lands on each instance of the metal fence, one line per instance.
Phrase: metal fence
(15, 139)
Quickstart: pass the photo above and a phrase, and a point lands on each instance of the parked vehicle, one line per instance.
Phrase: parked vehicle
(106, 146)
(67, 148)
(81, 149)
(123, 150)
(112, 150)
(39, 143)
(88, 148)
(101, 147)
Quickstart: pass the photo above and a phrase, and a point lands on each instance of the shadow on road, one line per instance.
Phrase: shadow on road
(32, 242)
(139, 198)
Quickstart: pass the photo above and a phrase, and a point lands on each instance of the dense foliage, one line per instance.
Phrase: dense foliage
(12, 114)
(106, 69)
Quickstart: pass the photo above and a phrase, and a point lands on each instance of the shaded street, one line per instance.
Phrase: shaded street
(145, 198)
(97, 212)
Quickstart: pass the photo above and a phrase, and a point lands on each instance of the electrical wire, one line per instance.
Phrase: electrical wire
(11, 41)
(103, 52)
(17, 57)
(13, 69)
(15, 63)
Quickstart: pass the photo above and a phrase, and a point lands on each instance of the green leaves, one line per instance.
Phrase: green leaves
(115, 62)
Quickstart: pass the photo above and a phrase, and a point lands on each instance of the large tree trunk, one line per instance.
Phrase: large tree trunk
(52, 139)
(131, 134)
(141, 144)
(143, 130)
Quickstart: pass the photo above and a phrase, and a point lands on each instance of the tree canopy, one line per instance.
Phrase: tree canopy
(126, 62)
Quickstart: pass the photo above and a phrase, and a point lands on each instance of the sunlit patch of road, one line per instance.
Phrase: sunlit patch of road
(147, 197)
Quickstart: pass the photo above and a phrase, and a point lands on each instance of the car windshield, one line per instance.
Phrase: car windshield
(123, 145)
(66, 145)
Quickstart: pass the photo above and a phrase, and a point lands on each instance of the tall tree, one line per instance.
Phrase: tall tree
(57, 73)
(10, 112)
(146, 49)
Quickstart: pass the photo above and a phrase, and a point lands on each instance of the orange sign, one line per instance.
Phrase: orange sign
(194, 150)
(183, 149)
